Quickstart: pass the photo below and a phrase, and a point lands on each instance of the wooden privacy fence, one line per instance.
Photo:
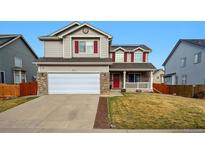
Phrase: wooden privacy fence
(161, 88)
(7, 90)
(16, 90)
(180, 90)
(29, 88)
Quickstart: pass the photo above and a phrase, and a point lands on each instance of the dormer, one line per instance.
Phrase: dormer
(129, 53)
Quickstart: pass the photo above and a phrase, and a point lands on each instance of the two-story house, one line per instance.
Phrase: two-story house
(16, 57)
(80, 59)
(185, 64)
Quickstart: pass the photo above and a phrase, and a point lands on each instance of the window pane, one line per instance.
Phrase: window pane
(18, 62)
(183, 62)
(17, 76)
(23, 77)
(137, 77)
(131, 77)
(2, 77)
(89, 47)
(184, 79)
(138, 57)
(82, 46)
(119, 57)
(196, 58)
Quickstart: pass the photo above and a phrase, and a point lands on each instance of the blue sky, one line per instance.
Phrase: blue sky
(160, 36)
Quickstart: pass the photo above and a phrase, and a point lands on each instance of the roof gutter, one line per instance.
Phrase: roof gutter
(131, 69)
(49, 38)
(73, 63)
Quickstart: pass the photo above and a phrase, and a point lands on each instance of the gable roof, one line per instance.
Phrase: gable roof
(197, 42)
(9, 39)
(130, 47)
(157, 70)
(65, 28)
(90, 26)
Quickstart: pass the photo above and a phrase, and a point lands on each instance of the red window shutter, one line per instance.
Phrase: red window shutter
(125, 56)
(76, 47)
(132, 56)
(113, 56)
(144, 56)
(95, 46)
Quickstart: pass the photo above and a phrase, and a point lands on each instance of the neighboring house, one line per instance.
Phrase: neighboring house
(79, 59)
(185, 64)
(158, 76)
(16, 57)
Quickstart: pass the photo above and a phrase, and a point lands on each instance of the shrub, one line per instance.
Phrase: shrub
(123, 90)
(138, 91)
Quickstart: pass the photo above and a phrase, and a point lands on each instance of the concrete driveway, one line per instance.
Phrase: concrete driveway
(52, 113)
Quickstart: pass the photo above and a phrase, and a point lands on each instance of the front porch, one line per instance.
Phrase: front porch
(131, 80)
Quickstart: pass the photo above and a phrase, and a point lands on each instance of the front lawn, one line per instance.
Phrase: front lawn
(156, 111)
(10, 103)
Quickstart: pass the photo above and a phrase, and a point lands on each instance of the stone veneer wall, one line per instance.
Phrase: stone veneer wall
(42, 79)
(104, 83)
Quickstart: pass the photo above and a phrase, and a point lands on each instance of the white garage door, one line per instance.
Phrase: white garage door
(73, 83)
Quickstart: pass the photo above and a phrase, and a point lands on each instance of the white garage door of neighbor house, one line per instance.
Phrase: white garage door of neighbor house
(74, 83)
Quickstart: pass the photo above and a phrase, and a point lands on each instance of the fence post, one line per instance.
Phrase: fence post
(193, 90)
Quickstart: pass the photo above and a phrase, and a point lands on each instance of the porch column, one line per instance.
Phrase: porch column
(151, 80)
(124, 79)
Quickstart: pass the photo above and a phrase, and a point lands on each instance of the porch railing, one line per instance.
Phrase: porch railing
(138, 85)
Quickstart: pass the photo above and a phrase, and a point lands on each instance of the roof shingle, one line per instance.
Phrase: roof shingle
(122, 66)
(129, 46)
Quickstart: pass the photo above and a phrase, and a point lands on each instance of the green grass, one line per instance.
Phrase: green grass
(156, 111)
(10, 103)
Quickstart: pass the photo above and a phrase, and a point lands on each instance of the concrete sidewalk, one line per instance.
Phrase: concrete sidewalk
(67, 130)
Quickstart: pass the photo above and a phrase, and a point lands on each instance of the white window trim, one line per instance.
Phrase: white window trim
(25, 77)
(4, 76)
(197, 54)
(141, 56)
(20, 76)
(184, 65)
(184, 79)
(122, 57)
(18, 59)
(85, 53)
(14, 72)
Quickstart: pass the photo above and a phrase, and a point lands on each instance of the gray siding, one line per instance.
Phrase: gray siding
(195, 72)
(18, 49)
(53, 48)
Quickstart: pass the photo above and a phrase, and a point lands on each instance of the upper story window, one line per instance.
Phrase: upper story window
(17, 62)
(138, 57)
(86, 46)
(119, 57)
(183, 62)
(197, 58)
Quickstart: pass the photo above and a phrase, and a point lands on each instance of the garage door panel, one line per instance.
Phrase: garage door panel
(73, 83)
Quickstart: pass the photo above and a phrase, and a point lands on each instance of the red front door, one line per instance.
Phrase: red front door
(116, 81)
